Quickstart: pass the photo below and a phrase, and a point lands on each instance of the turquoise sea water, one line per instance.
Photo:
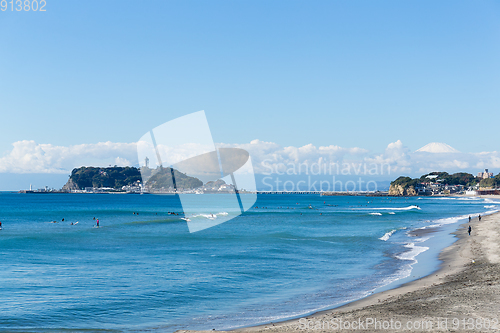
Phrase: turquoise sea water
(293, 255)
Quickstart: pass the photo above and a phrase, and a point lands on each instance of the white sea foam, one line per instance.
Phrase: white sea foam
(387, 235)
(457, 198)
(406, 270)
(376, 214)
(208, 216)
(211, 216)
(400, 208)
(422, 239)
(392, 213)
(490, 206)
(403, 273)
(455, 219)
(414, 251)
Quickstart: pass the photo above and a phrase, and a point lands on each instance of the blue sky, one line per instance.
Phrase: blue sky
(348, 73)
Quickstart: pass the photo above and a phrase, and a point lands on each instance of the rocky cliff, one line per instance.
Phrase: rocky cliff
(70, 186)
(403, 186)
(401, 190)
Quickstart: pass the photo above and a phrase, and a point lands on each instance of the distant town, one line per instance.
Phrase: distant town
(442, 183)
(122, 180)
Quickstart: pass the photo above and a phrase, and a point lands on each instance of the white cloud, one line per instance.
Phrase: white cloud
(438, 157)
(396, 155)
(273, 154)
(31, 157)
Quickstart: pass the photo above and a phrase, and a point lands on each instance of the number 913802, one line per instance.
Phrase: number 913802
(23, 5)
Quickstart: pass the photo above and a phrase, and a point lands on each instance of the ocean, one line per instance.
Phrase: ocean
(289, 256)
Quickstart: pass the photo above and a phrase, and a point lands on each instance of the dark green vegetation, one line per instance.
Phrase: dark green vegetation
(459, 178)
(162, 178)
(117, 177)
(114, 177)
(491, 182)
(405, 181)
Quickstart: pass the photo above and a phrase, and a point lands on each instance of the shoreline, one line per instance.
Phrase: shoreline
(462, 289)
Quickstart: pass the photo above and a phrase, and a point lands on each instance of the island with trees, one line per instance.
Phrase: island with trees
(128, 179)
(442, 183)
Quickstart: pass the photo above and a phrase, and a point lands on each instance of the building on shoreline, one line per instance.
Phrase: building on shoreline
(485, 174)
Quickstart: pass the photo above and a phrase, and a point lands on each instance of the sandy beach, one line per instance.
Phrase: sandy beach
(463, 295)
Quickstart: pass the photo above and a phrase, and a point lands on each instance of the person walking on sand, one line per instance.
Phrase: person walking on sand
(479, 218)
(470, 229)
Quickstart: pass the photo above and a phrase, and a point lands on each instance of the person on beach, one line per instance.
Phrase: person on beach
(479, 218)
(97, 223)
(470, 229)
(469, 218)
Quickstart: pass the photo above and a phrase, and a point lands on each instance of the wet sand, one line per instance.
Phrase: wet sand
(463, 295)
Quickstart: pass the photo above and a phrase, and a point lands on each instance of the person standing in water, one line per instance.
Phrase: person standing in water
(97, 223)
(470, 229)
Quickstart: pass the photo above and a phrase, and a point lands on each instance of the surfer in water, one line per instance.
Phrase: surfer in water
(97, 223)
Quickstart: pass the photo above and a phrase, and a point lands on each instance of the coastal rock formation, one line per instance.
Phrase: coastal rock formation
(400, 190)
(70, 186)
(403, 186)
